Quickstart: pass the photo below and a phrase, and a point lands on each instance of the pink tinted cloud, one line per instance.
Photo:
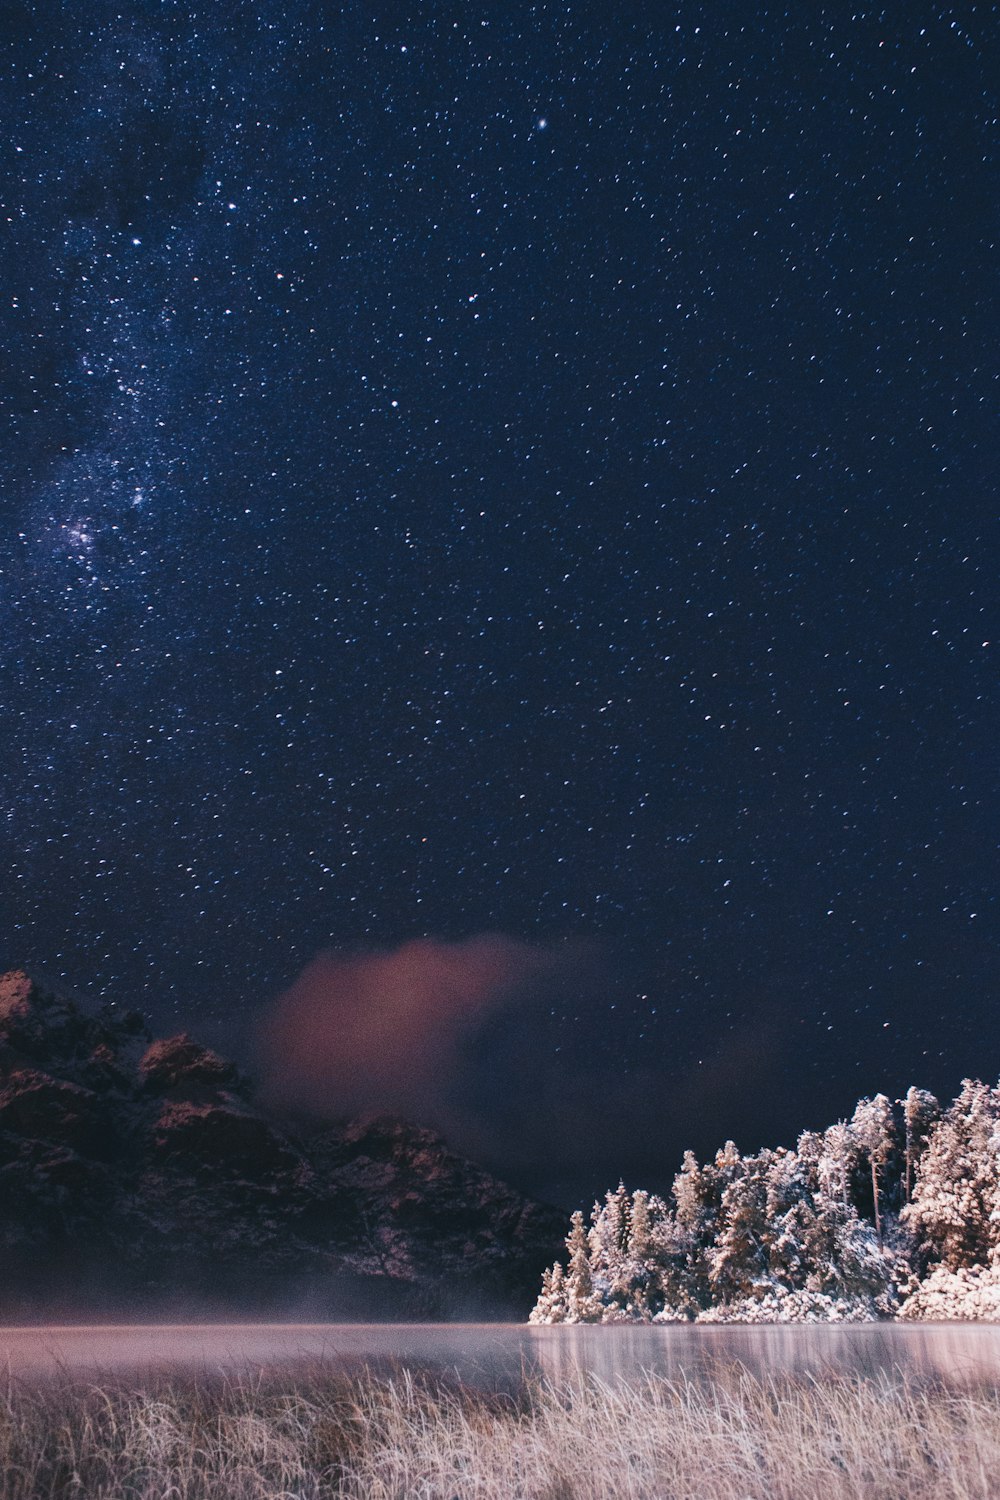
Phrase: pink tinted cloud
(383, 1031)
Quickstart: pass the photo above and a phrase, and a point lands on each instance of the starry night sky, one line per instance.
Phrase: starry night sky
(521, 469)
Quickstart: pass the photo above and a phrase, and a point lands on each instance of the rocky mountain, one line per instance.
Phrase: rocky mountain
(142, 1176)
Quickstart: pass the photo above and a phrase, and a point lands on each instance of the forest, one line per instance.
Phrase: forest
(892, 1213)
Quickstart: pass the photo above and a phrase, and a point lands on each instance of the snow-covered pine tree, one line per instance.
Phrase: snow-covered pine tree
(738, 1260)
(644, 1299)
(582, 1306)
(956, 1192)
(790, 1214)
(873, 1129)
(551, 1304)
(694, 1215)
(835, 1158)
(615, 1272)
(692, 1193)
(920, 1111)
(675, 1285)
(808, 1203)
(640, 1241)
(823, 1246)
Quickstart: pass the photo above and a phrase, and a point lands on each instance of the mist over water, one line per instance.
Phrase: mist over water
(501, 1355)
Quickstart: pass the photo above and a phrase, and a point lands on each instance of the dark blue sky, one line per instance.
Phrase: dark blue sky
(514, 468)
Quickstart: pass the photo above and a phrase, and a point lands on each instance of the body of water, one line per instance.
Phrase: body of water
(499, 1354)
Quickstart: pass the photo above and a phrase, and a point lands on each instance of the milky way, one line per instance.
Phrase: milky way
(524, 469)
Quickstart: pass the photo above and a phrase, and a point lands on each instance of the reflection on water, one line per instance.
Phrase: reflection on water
(500, 1354)
(953, 1352)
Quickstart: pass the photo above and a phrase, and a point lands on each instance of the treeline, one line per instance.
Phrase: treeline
(895, 1212)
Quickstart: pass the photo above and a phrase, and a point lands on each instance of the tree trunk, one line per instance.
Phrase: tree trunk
(878, 1216)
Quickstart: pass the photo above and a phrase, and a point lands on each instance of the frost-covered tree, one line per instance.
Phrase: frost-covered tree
(644, 1287)
(674, 1261)
(624, 1241)
(640, 1240)
(791, 1184)
(955, 1198)
(694, 1194)
(611, 1229)
(581, 1304)
(835, 1154)
(873, 1129)
(819, 1243)
(551, 1304)
(738, 1258)
(609, 1239)
(920, 1111)
(693, 1198)
(819, 1233)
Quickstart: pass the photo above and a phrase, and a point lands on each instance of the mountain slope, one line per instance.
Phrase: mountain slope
(140, 1174)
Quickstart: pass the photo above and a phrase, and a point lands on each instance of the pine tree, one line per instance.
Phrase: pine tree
(641, 1242)
(835, 1157)
(581, 1304)
(822, 1245)
(873, 1129)
(676, 1291)
(694, 1194)
(956, 1191)
(551, 1304)
(738, 1259)
(920, 1111)
(637, 1288)
(542, 1312)
(787, 1185)
(615, 1225)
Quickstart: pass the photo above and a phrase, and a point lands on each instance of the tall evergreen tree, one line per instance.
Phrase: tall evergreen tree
(920, 1111)
(579, 1283)
(955, 1196)
(873, 1128)
(738, 1259)
(836, 1153)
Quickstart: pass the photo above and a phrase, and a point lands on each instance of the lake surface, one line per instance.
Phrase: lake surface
(498, 1354)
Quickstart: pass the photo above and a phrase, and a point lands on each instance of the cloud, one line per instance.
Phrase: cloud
(388, 1031)
(517, 1054)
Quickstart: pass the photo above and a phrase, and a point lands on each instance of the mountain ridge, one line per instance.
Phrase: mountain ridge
(143, 1173)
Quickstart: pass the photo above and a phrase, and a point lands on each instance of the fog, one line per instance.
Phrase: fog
(501, 1354)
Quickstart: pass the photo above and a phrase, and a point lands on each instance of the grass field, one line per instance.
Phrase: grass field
(386, 1437)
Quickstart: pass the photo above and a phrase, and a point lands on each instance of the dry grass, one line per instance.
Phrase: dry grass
(373, 1437)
